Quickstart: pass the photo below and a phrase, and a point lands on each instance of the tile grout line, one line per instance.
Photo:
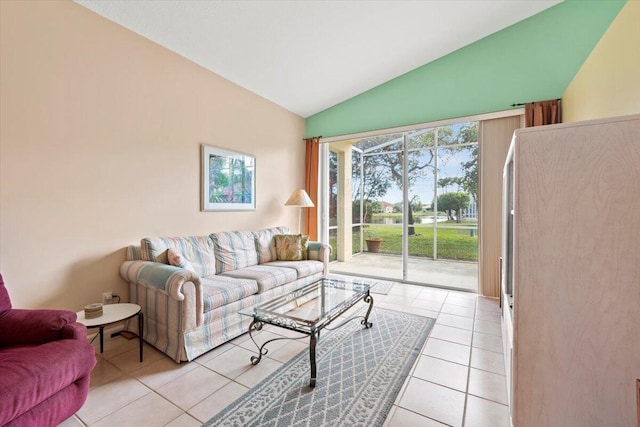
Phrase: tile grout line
(479, 369)
(413, 368)
(466, 394)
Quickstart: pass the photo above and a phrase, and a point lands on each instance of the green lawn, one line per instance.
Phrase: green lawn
(454, 244)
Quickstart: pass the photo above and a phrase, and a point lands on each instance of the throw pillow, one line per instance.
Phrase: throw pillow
(291, 247)
(178, 260)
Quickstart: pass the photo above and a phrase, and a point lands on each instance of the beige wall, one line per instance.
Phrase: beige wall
(100, 146)
(608, 85)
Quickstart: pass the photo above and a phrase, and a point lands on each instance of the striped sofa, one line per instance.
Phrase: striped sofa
(192, 306)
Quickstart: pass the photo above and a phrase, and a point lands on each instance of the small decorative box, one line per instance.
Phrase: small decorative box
(92, 311)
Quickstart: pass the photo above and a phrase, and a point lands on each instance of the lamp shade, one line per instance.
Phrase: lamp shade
(299, 198)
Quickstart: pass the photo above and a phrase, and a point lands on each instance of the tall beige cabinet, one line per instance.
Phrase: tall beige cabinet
(571, 274)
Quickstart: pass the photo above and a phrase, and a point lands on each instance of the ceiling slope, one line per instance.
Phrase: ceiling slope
(532, 60)
(307, 56)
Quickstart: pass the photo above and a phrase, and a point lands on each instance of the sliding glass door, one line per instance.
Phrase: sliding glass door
(403, 206)
(443, 201)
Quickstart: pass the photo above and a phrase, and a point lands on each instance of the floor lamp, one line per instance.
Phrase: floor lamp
(299, 199)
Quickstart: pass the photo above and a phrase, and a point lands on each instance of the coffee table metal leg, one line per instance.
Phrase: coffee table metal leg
(368, 298)
(257, 325)
(140, 332)
(312, 358)
(101, 338)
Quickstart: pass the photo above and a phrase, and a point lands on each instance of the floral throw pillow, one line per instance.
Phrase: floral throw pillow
(291, 247)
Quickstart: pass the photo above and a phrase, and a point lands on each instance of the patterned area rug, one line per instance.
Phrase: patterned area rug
(360, 373)
(378, 286)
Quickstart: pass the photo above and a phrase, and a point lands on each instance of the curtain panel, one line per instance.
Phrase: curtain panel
(311, 186)
(543, 113)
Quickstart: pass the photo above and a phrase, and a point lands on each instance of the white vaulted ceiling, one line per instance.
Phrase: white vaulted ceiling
(307, 56)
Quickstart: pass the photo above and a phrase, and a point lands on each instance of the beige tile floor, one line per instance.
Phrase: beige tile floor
(458, 380)
(449, 274)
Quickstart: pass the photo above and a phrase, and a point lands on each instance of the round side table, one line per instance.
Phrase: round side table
(114, 313)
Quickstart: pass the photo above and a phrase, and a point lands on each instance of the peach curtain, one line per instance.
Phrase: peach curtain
(542, 113)
(311, 185)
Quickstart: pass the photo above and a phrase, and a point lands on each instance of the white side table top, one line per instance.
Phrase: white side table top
(111, 313)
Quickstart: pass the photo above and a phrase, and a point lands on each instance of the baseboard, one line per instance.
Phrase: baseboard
(638, 399)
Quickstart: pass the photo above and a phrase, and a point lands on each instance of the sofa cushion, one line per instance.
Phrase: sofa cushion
(198, 250)
(220, 290)
(302, 268)
(234, 250)
(266, 245)
(32, 374)
(266, 277)
(291, 247)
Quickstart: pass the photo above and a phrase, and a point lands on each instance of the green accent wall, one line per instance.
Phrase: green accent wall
(534, 59)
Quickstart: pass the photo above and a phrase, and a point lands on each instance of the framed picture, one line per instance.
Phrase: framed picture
(228, 180)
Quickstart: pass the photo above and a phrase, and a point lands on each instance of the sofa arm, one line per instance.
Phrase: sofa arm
(165, 278)
(74, 331)
(321, 252)
(31, 327)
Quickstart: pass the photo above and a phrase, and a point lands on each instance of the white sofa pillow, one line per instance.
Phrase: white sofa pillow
(266, 245)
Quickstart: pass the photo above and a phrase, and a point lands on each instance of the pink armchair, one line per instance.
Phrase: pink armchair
(45, 362)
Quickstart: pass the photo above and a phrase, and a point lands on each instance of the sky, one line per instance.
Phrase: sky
(448, 166)
(449, 162)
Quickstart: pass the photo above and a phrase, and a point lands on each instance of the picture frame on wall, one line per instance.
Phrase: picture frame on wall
(228, 180)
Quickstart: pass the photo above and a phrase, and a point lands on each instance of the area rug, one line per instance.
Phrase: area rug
(360, 373)
(377, 286)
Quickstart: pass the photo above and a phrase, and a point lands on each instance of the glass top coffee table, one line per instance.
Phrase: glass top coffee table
(308, 310)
